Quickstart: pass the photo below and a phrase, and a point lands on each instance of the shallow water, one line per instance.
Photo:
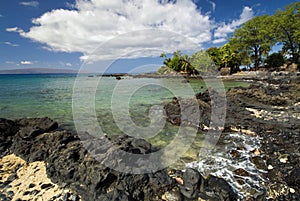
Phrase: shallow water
(52, 96)
(239, 171)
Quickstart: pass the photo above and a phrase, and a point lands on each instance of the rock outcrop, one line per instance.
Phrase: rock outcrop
(70, 166)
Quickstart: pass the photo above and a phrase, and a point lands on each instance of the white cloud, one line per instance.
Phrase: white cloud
(147, 24)
(70, 5)
(14, 29)
(30, 3)
(219, 40)
(128, 29)
(213, 4)
(26, 62)
(246, 15)
(221, 33)
(10, 44)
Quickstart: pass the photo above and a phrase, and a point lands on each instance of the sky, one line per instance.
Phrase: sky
(69, 34)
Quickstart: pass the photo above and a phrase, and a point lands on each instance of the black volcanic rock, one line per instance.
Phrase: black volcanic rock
(8, 129)
(69, 164)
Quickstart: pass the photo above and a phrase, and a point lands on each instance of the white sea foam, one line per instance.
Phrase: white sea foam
(221, 164)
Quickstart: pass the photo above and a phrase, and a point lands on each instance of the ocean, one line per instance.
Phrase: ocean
(51, 95)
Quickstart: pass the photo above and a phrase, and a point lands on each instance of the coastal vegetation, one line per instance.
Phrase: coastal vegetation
(249, 46)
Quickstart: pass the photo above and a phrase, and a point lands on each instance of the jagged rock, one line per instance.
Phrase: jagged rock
(68, 161)
(241, 172)
(191, 112)
(8, 129)
(217, 188)
(192, 181)
(258, 162)
(32, 127)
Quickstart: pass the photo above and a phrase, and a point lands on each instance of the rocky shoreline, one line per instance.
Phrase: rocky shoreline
(268, 109)
(73, 169)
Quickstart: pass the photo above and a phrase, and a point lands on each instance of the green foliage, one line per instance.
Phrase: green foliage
(275, 60)
(286, 26)
(215, 55)
(164, 70)
(178, 62)
(249, 44)
(254, 38)
(225, 56)
(202, 62)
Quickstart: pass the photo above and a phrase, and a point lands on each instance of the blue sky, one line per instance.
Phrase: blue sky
(68, 33)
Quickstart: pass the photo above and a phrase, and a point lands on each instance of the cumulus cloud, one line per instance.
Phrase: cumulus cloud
(26, 62)
(10, 44)
(136, 25)
(221, 33)
(30, 3)
(105, 30)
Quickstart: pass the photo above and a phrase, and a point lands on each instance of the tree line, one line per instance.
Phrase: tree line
(249, 45)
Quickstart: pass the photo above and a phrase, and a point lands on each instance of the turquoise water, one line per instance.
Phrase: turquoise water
(51, 95)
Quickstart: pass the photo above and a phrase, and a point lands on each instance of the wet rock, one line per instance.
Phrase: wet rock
(235, 154)
(241, 172)
(192, 180)
(259, 162)
(219, 189)
(195, 113)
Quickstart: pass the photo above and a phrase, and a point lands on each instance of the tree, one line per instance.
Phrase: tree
(230, 58)
(202, 62)
(275, 60)
(255, 38)
(225, 56)
(215, 55)
(178, 62)
(286, 25)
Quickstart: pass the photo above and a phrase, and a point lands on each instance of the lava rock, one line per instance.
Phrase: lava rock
(192, 181)
(218, 188)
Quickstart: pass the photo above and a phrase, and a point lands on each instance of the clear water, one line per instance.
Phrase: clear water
(51, 96)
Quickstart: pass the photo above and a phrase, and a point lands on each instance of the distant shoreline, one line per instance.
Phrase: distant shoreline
(37, 71)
